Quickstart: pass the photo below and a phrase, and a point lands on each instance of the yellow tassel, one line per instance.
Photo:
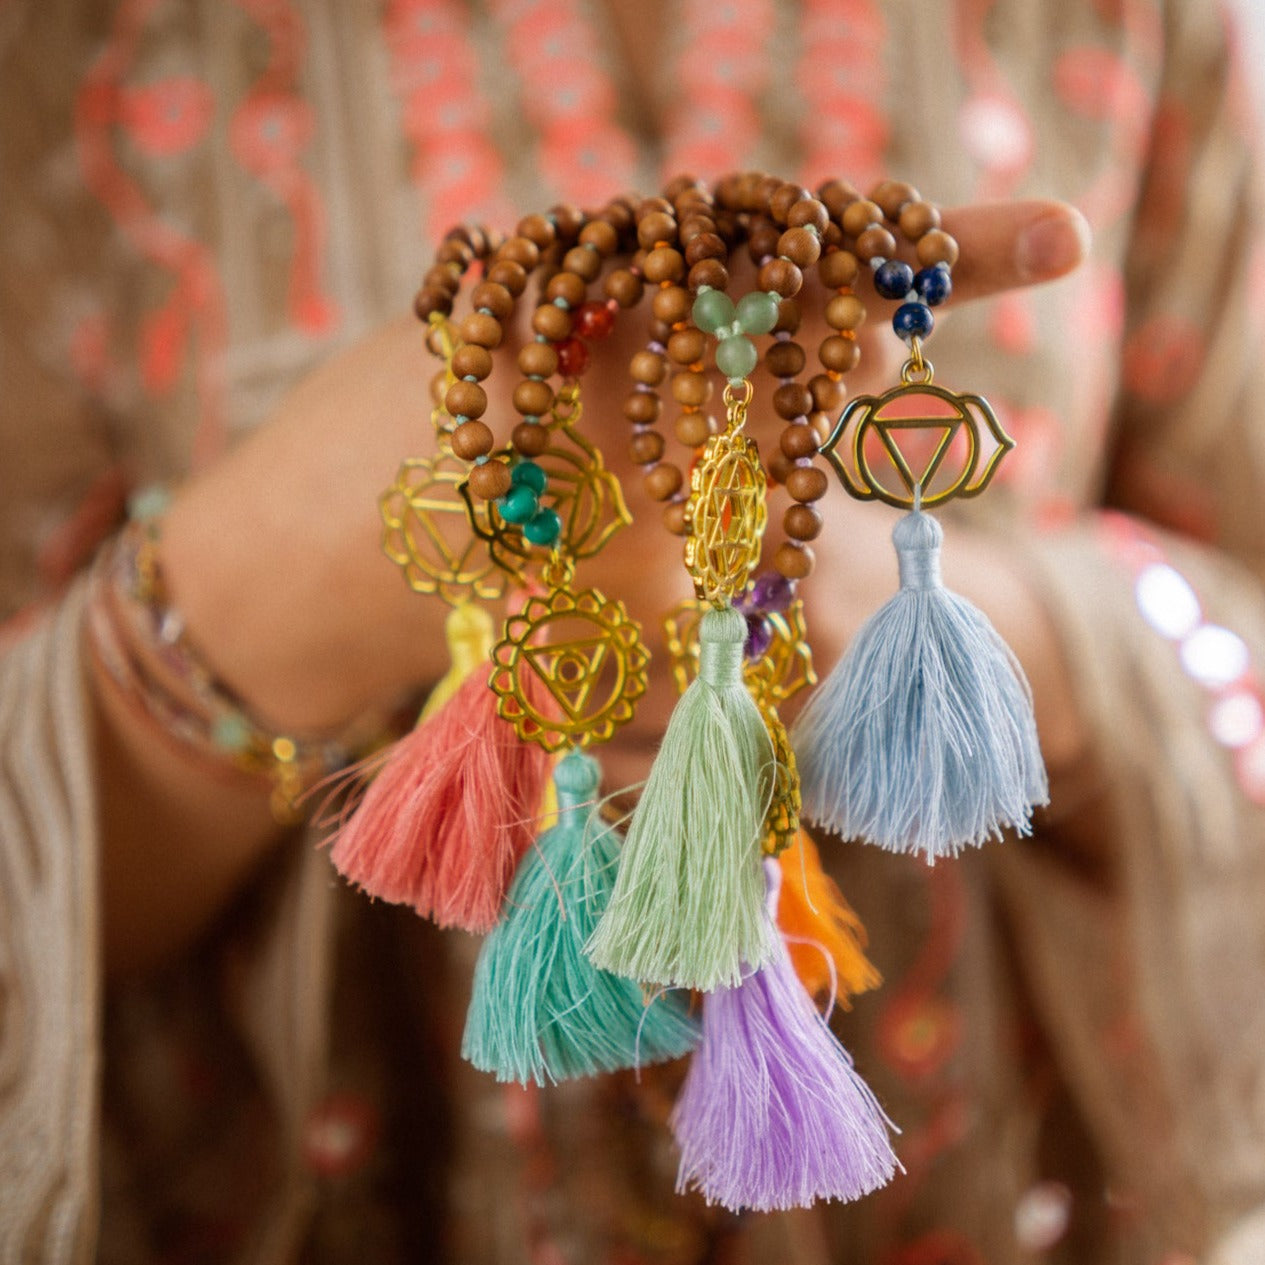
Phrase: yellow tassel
(470, 636)
(812, 909)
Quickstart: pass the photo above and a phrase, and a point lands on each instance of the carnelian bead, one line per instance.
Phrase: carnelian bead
(573, 358)
(593, 321)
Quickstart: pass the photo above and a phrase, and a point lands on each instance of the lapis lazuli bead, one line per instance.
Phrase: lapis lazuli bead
(893, 279)
(913, 320)
(934, 284)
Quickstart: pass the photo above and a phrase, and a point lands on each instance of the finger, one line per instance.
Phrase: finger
(1005, 245)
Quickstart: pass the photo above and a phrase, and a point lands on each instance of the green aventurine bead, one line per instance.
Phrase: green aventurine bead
(230, 731)
(518, 504)
(736, 357)
(543, 528)
(757, 312)
(712, 309)
(531, 475)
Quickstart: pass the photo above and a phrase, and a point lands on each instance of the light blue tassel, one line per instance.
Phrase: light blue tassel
(539, 1010)
(922, 739)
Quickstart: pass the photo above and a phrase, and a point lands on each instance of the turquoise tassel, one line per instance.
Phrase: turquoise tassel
(688, 906)
(540, 1011)
(922, 739)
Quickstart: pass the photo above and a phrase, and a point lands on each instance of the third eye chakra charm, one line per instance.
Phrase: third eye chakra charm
(939, 444)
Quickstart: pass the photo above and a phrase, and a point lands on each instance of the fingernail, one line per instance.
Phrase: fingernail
(1051, 246)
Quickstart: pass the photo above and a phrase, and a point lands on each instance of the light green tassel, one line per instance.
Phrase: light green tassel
(540, 1010)
(688, 906)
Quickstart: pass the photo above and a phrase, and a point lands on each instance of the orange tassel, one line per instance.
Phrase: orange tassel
(821, 927)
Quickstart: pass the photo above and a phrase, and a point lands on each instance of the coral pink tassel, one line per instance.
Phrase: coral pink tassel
(444, 823)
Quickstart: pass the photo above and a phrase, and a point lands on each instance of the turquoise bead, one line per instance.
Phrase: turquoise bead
(543, 528)
(518, 504)
(736, 357)
(757, 312)
(712, 309)
(529, 474)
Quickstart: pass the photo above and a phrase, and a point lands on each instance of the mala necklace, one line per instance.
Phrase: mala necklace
(920, 740)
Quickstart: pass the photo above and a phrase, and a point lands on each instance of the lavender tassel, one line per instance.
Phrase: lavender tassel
(772, 1114)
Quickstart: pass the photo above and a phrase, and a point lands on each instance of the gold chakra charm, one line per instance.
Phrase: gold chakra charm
(569, 666)
(938, 444)
(726, 512)
(784, 669)
(426, 532)
(781, 821)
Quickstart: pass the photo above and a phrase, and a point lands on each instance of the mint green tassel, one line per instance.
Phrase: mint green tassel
(540, 1011)
(688, 906)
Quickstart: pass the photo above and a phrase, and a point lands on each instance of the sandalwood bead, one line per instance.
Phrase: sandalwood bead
(785, 359)
(807, 483)
(530, 439)
(532, 398)
(891, 195)
(828, 393)
(793, 560)
(658, 226)
(538, 360)
(839, 354)
(693, 226)
(507, 273)
(671, 305)
(471, 439)
(642, 408)
(646, 447)
(466, 399)
(648, 206)
(429, 300)
(801, 522)
(837, 196)
(704, 246)
(693, 429)
(658, 331)
(438, 278)
(936, 247)
(845, 311)
(601, 236)
(708, 272)
(781, 276)
(521, 251)
(619, 215)
(788, 316)
(481, 329)
(551, 322)
(781, 202)
(860, 215)
(822, 424)
(800, 245)
(490, 480)
(647, 367)
(763, 240)
(831, 237)
(455, 252)
(664, 263)
(567, 220)
(792, 399)
(585, 263)
(876, 243)
(567, 287)
(536, 229)
(663, 482)
(808, 213)
(487, 297)
(674, 518)
(687, 346)
(472, 362)
(439, 388)
(798, 441)
(838, 269)
(919, 218)
(625, 287)
(691, 389)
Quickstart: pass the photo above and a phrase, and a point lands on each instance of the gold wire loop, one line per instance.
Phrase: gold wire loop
(917, 371)
(736, 404)
(559, 571)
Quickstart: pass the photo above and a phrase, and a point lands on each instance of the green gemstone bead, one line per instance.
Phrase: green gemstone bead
(736, 357)
(757, 312)
(529, 474)
(543, 528)
(230, 731)
(712, 309)
(518, 504)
